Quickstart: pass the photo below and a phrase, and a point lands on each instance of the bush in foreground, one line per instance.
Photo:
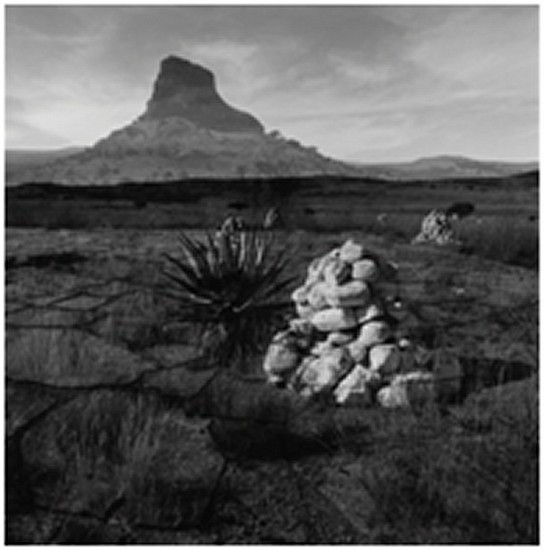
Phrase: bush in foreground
(232, 284)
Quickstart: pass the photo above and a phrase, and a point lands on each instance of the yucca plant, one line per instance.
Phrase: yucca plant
(231, 284)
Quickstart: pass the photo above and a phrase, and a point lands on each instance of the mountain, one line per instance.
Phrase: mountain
(446, 167)
(186, 131)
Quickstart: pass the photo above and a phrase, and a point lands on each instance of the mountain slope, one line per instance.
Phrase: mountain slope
(186, 131)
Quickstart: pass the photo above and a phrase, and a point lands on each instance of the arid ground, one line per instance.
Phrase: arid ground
(118, 430)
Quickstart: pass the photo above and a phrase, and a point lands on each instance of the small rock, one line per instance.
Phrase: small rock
(337, 273)
(300, 294)
(412, 389)
(317, 296)
(351, 251)
(302, 327)
(334, 319)
(371, 311)
(304, 311)
(385, 359)
(355, 388)
(358, 351)
(301, 334)
(436, 228)
(282, 355)
(365, 270)
(352, 294)
(316, 271)
(323, 373)
(321, 347)
(374, 332)
(339, 338)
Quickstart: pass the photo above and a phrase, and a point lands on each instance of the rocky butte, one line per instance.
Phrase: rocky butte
(186, 131)
(188, 91)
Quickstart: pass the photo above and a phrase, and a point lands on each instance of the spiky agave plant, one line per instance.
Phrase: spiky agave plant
(231, 284)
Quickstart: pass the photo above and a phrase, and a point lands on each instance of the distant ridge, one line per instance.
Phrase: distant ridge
(37, 156)
(446, 167)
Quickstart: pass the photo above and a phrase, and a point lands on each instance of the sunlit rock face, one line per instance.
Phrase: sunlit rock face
(184, 89)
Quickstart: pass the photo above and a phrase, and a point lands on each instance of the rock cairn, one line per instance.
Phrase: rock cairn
(436, 228)
(343, 342)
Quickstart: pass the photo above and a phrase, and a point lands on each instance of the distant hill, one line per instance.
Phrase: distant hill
(187, 131)
(27, 157)
(446, 167)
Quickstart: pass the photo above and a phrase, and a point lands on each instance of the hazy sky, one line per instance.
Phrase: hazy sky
(364, 83)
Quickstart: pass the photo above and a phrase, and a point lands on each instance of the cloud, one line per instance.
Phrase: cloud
(356, 81)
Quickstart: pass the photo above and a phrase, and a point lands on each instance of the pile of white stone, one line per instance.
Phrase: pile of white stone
(436, 228)
(343, 342)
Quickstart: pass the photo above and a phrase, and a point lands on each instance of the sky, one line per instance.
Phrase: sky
(359, 82)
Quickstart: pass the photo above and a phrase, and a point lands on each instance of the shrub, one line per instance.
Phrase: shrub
(231, 283)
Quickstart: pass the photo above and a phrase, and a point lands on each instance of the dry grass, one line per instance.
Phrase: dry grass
(507, 240)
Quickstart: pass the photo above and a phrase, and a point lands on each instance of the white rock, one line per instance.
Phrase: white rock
(337, 272)
(304, 311)
(351, 251)
(411, 389)
(316, 270)
(320, 348)
(371, 311)
(385, 359)
(404, 343)
(333, 340)
(392, 398)
(365, 270)
(355, 388)
(281, 357)
(324, 372)
(300, 294)
(334, 319)
(301, 334)
(358, 351)
(301, 326)
(352, 294)
(374, 332)
(316, 296)
(314, 273)
(339, 338)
